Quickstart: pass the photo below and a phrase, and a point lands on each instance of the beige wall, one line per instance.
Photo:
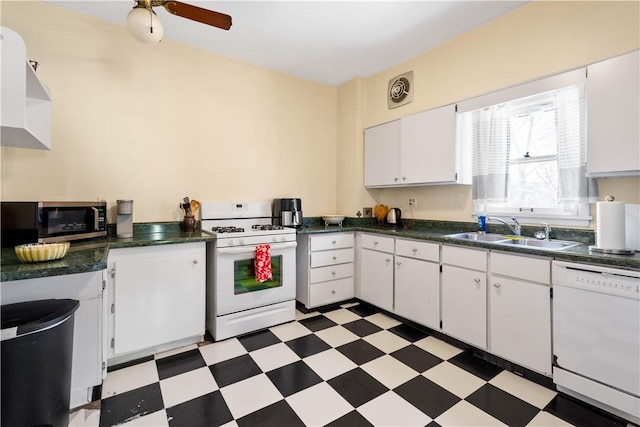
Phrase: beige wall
(535, 40)
(157, 123)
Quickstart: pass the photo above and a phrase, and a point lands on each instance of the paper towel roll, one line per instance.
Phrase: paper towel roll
(610, 229)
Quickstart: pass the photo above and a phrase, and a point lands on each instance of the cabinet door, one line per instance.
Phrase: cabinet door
(159, 296)
(382, 155)
(464, 305)
(613, 104)
(417, 291)
(376, 275)
(428, 147)
(520, 319)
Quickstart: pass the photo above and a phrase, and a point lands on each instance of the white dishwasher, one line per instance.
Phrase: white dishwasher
(596, 336)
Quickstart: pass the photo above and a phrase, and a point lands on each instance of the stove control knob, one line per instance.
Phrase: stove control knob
(232, 242)
(283, 238)
(275, 238)
(241, 241)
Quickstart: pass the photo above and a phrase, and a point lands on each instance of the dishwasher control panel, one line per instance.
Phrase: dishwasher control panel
(624, 283)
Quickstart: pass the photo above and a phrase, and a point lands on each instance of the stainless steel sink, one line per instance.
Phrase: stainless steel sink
(477, 237)
(550, 245)
(525, 242)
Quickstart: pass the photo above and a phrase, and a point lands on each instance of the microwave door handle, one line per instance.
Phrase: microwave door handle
(96, 223)
(251, 249)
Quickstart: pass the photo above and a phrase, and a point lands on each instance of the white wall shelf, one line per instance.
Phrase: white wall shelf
(26, 101)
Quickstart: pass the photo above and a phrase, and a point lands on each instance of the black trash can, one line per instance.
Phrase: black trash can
(37, 350)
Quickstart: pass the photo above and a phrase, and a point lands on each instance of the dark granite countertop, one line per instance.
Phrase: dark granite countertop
(436, 231)
(91, 255)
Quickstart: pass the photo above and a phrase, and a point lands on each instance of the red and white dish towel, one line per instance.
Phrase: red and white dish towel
(262, 263)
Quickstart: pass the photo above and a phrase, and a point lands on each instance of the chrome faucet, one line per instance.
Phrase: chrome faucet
(543, 234)
(515, 229)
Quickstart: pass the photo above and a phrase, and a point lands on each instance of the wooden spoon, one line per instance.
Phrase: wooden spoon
(195, 205)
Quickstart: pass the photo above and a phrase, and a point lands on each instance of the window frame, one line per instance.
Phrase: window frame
(583, 216)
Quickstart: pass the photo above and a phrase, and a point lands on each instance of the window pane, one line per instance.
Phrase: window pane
(533, 184)
(533, 133)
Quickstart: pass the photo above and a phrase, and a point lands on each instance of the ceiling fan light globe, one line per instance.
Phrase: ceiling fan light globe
(144, 25)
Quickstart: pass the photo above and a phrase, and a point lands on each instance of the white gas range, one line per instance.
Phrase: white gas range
(237, 303)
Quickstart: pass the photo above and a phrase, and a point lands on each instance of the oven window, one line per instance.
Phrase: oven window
(244, 276)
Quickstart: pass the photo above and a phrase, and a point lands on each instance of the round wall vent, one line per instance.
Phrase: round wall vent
(400, 90)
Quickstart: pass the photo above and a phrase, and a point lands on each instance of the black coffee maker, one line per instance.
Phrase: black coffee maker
(287, 212)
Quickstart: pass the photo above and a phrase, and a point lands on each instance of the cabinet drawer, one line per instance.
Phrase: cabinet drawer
(377, 243)
(339, 256)
(331, 241)
(418, 250)
(332, 272)
(521, 267)
(475, 259)
(330, 292)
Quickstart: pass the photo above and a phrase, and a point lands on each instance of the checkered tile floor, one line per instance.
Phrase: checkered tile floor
(351, 366)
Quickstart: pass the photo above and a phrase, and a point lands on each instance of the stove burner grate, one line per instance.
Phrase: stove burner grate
(227, 229)
(266, 227)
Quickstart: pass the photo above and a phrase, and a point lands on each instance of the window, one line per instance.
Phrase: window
(529, 155)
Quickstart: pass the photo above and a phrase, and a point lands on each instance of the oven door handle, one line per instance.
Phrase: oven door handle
(251, 249)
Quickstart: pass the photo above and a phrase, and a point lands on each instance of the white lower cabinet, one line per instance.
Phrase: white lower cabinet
(520, 310)
(376, 275)
(493, 300)
(464, 294)
(376, 270)
(157, 299)
(417, 282)
(401, 276)
(324, 268)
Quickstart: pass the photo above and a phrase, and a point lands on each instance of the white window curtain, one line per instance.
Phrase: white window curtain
(490, 133)
(573, 185)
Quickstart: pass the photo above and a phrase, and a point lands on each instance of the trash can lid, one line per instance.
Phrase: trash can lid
(33, 316)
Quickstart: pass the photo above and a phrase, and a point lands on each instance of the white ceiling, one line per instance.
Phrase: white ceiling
(329, 42)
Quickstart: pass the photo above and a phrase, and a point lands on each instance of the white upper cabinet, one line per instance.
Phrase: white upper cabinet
(382, 155)
(428, 154)
(420, 149)
(613, 122)
(26, 102)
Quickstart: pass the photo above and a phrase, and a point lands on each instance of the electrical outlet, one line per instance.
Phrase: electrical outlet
(412, 202)
(367, 212)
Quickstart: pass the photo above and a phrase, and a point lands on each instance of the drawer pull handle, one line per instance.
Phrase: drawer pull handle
(195, 261)
(387, 260)
(333, 242)
(477, 280)
(398, 263)
(333, 272)
(333, 292)
(375, 243)
(414, 250)
(335, 258)
(497, 285)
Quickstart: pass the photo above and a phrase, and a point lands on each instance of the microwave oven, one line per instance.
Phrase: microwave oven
(46, 222)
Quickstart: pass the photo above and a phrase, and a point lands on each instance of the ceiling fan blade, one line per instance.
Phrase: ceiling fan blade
(199, 14)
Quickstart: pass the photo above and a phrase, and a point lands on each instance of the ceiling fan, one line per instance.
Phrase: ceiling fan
(146, 27)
